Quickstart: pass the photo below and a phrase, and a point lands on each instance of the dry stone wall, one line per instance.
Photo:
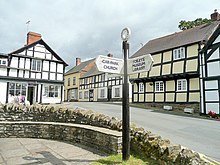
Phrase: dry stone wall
(142, 142)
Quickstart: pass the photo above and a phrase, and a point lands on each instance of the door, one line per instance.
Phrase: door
(31, 93)
(91, 95)
(109, 93)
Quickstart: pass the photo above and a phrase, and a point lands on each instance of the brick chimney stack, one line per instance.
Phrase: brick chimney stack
(215, 16)
(78, 61)
(32, 37)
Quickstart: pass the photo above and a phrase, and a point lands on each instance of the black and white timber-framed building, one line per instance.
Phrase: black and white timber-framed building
(186, 70)
(33, 73)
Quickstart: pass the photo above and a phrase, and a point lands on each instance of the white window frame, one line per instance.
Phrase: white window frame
(179, 53)
(141, 88)
(74, 80)
(3, 62)
(117, 92)
(159, 86)
(181, 85)
(80, 95)
(102, 93)
(86, 94)
(52, 91)
(36, 65)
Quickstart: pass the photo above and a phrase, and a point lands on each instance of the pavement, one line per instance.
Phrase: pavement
(27, 151)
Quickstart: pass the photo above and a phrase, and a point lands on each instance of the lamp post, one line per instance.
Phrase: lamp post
(125, 35)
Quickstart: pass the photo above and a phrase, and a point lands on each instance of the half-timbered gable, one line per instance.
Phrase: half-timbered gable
(34, 73)
(174, 77)
(210, 73)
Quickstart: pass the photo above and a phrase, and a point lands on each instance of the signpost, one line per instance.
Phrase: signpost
(140, 64)
(125, 34)
(134, 65)
(109, 64)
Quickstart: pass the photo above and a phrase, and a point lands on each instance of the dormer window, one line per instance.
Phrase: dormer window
(179, 53)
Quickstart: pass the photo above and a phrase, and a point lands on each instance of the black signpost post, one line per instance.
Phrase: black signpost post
(125, 113)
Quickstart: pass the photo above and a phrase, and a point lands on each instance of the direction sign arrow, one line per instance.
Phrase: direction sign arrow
(140, 64)
(109, 64)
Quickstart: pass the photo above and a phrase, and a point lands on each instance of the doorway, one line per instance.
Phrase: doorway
(109, 93)
(91, 95)
(30, 96)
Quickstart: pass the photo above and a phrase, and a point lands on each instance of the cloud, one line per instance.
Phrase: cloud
(85, 28)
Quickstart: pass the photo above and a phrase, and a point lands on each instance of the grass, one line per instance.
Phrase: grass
(117, 160)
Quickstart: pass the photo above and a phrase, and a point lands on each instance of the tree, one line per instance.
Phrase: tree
(183, 25)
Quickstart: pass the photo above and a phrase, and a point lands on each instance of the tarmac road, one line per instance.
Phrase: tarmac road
(201, 135)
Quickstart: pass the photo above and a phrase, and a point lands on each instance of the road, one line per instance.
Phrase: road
(200, 135)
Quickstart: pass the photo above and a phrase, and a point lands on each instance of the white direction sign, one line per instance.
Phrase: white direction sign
(109, 64)
(140, 64)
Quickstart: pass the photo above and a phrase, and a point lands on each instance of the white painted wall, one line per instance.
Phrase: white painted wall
(53, 67)
(60, 68)
(27, 64)
(46, 66)
(3, 92)
(13, 72)
(14, 62)
(3, 72)
(21, 65)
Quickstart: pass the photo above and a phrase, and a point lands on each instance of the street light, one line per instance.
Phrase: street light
(125, 35)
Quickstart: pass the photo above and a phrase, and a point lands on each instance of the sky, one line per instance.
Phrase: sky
(88, 28)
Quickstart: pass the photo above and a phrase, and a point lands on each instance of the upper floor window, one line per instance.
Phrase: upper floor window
(36, 65)
(181, 85)
(159, 86)
(141, 87)
(68, 82)
(74, 80)
(179, 53)
(3, 62)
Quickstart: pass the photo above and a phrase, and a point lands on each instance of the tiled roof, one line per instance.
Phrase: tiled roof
(79, 67)
(198, 34)
(91, 72)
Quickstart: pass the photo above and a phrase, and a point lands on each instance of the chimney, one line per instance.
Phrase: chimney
(215, 16)
(109, 55)
(32, 37)
(78, 61)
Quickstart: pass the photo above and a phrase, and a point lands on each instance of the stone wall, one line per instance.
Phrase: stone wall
(96, 138)
(142, 142)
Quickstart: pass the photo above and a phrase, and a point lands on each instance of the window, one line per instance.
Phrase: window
(80, 95)
(141, 88)
(74, 80)
(102, 77)
(86, 94)
(102, 93)
(181, 85)
(17, 89)
(2, 62)
(68, 81)
(179, 53)
(36, 65)
(159, 86)
(117, 92)
(52, 91)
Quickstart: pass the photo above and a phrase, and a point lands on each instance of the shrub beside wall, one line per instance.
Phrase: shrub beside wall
(142, 142)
